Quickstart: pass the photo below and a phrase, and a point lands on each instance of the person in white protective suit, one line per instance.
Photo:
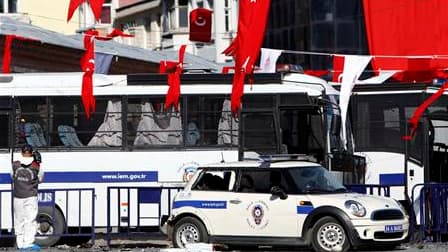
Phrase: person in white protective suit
(26, 175)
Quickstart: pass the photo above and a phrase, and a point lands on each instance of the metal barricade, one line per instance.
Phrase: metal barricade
(62, 208)
(432, 210)
(380, 190)
(133, 210)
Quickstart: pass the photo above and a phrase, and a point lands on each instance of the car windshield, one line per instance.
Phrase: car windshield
(315, 179)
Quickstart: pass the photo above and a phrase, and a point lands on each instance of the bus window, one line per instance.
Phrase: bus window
(228, 126)
(258, 132)
(202, 120)
(156, 126)
(70, 127)
(302, 132)
(32, 116)
(109, 133)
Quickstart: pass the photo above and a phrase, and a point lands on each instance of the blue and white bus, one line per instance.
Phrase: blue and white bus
(379, 115)
(131, 141)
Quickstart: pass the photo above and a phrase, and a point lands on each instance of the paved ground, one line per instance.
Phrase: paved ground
(158, 243)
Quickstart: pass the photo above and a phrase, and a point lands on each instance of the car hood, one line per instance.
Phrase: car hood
(370, 202)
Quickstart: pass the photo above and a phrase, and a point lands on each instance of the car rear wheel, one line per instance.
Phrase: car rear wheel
(189, 230)
(329, 235)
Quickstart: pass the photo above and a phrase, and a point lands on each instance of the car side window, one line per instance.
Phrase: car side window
(215, 181)
(261, 181)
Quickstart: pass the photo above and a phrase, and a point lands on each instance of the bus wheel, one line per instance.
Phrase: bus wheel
(51, 225)
(329, 235)
(189, 230)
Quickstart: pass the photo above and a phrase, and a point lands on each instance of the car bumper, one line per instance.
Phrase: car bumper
(375, 231)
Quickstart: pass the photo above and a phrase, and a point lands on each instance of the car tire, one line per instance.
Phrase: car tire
(189, 230)
(51, 225)
(329, 235)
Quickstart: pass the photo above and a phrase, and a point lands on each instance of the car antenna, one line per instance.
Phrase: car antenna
(222, 158)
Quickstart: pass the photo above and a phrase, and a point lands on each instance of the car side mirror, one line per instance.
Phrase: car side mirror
(279, 192)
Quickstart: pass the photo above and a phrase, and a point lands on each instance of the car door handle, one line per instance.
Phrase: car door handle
(235, 201)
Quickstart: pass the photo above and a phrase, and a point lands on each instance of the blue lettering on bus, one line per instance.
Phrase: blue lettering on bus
(200, 204)
(46, 198)
(97, 177)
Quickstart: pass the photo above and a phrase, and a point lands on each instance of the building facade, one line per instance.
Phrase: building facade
(328, 26)
(163, 25)
(52, 15)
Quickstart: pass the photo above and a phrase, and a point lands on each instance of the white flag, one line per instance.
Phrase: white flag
(268, 60)
(353, 67)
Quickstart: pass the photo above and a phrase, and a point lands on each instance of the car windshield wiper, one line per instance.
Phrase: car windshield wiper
(321, 190)
(317, 190)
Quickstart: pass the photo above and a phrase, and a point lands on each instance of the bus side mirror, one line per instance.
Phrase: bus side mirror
(335, 125)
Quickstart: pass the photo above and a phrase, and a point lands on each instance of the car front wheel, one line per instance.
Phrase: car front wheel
(329, 235)
(189, 230)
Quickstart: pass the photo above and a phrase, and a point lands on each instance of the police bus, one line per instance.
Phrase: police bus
(132, 141)
(379, 115)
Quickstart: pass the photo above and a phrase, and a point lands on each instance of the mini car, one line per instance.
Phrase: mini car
(282, 203)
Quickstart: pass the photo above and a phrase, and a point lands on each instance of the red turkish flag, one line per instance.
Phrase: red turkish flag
(174, 70)
(88, 66)
(201, 25)
(246, 46)
(74, 4)
(95, 5)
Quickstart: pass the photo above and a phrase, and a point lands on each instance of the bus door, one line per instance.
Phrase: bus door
(6, 133)
(6, 137)
(438, 147)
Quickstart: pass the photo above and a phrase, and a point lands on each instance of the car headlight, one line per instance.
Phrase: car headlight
(355, 208)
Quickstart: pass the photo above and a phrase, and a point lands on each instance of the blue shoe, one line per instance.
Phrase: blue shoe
(34, 247)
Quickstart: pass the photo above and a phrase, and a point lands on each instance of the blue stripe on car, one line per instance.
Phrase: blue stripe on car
(304, 209)
(200, 204)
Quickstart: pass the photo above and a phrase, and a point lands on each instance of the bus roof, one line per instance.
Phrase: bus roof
(69, 84)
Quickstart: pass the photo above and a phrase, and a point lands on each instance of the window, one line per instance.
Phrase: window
(258, 123)
(259, 132)
(149, 125)
(8, 6)
(32, 117)
(378, 122)
(215, 181)
(206, 116)
(178, 14)
(61, 121)
(71, 127)
(106, 12)
(227, 16)
(261, 181)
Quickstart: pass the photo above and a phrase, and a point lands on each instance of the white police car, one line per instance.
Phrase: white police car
(281, 203)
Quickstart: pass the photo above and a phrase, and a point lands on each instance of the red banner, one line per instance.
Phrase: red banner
(245, 48)
(407, 28)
